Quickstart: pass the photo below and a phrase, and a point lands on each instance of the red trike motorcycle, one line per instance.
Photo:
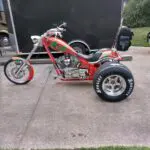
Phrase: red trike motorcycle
(112, 81)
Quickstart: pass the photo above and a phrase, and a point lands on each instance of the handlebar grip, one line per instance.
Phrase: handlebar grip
(63, 25)
(61, 29)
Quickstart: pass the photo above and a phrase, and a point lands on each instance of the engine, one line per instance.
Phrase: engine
(70, 66)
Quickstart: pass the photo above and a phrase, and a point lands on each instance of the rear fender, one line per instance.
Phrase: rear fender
(109, 53)
(80, 41)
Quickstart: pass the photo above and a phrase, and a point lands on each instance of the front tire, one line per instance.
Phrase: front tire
(25, 76)
(113, 82)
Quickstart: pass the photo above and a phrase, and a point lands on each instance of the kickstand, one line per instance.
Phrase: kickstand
(50, 69)
(55, 76)
(1, 52)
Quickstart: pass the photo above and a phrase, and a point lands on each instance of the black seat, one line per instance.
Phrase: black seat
(92, 57)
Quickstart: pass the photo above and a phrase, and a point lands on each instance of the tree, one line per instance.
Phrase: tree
(137, 13)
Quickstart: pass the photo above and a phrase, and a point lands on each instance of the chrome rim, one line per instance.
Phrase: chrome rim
(22, 75)
(114, 85)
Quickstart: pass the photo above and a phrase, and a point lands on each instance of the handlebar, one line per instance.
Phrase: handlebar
(57, 31)
(64, 24)
(61, 29)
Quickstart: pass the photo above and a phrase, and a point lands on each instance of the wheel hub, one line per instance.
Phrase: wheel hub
(112, 82)
(114, 85)
(19, 76)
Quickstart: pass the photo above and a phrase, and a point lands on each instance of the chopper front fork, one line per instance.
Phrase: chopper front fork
(26, 60)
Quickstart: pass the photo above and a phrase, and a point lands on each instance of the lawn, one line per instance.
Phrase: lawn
(140, 36)
(107, 148)
(118, 148)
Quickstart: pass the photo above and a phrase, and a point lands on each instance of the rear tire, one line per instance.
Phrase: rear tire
(109, 76)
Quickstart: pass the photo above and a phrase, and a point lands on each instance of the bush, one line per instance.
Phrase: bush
(137, 13)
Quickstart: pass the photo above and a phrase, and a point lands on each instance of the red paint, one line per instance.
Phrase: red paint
(60, 43)
(31, 74)
(92, 68)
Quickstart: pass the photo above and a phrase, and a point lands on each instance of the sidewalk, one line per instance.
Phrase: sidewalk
(48, 113)
(6, 56)
(3, 60)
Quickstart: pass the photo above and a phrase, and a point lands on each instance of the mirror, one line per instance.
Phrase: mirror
(64, 24)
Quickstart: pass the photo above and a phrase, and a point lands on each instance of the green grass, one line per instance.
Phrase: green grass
(140, 36)
(108, 148)
(101, 148)
(117, 148)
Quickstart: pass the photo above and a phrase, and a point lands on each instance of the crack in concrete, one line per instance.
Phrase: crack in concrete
(34, 109)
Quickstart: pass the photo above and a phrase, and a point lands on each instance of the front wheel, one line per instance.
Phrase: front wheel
(22, 77)
(113, 82)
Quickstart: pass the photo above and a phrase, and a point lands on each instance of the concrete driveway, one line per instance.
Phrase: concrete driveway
(47, 113)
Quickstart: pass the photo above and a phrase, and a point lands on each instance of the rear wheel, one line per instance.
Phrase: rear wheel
(23, 77)
(113, 82)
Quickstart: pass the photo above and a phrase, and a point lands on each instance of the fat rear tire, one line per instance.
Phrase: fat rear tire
(112, 68)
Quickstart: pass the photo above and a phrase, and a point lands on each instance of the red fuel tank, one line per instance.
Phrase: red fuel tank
(59, 45)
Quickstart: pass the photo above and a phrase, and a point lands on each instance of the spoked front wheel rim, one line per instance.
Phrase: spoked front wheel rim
(114, 85)
(13, 67)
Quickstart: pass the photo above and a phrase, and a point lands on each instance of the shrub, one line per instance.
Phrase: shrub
(137, 13)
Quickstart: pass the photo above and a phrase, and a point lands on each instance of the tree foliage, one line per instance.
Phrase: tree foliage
(137, 13)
